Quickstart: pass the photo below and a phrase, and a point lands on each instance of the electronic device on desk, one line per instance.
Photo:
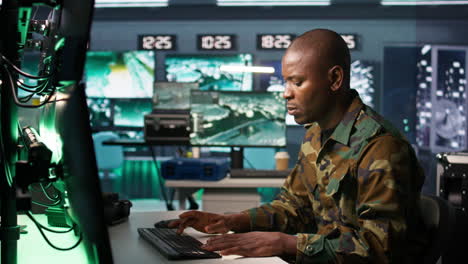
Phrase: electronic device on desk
(452, 184)
(170, 120)
(253, 173)
(205, 169)
(115, 210)
(174, 246)
(168, 126)
(452, 181)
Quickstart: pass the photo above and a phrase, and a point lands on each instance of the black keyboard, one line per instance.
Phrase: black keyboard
(175, 246)
(252, 173)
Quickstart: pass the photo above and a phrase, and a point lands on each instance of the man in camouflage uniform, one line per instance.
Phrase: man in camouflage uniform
(352, 196)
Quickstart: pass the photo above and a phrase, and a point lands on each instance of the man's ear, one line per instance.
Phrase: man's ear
(335, 76)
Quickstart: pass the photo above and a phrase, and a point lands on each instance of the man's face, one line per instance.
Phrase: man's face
(307, 87)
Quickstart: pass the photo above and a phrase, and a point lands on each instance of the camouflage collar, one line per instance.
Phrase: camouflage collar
(342, 132)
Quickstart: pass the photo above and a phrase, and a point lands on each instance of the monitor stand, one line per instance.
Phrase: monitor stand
(237, 157)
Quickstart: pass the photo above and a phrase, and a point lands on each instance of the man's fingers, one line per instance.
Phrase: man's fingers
(217, 227)
(234, 251)
(173, 224)
(226, 238)
(223, 242)
(184, 223)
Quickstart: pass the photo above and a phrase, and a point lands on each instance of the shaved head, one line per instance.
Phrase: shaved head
(327, 47)
(316, 69)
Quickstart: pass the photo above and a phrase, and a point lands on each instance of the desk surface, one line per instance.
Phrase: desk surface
(227, 183)
(128, 247)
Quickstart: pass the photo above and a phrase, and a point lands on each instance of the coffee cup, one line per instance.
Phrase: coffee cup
(282, 160)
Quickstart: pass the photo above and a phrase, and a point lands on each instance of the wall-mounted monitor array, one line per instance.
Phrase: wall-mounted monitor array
(116, 74)
(206, 70)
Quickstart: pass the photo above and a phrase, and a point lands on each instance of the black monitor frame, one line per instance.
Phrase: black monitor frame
(80, 174)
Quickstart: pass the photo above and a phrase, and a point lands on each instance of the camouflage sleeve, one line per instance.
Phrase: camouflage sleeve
(388, 182)
(290, 212)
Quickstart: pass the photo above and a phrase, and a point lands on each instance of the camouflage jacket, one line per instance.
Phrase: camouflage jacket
(352, 200)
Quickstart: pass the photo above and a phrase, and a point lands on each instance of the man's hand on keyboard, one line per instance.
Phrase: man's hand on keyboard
(201, 221)
(253, 244)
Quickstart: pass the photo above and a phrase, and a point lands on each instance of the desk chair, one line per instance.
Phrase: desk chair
(108, 158)
(439, 217)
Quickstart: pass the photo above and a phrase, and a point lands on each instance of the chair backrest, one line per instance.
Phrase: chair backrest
(439, 217)
(107, 157)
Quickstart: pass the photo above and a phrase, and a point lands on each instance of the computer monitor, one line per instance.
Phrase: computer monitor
(244, 119)
(119, 74)
(172, 95)
(100, 113)
(129, 113)
(207, 71)
(363, 80)
(66, 130)
(271, 82)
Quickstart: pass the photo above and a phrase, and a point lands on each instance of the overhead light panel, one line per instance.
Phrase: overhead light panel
(139, 3)
(273, 3)
(425, 2)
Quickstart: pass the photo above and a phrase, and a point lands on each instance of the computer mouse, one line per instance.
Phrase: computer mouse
(164, 223)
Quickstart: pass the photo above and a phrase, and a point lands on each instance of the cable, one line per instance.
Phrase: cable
(5, 162)
(30, 187)
(250, 164)
(17, 102)
(25, 99)
(27, 85)
(48, 196)
(48, 241)
(48, 205)
(49, 229)
(18, 70)
(37, 89)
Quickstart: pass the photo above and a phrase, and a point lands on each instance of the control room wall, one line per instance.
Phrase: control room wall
(373, 36)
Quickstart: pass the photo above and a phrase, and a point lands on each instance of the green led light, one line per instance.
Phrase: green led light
(49, 133)
(24, 16)
(405, 121)
(60, 43)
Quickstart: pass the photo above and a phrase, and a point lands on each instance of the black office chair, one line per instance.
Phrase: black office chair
(439, 217)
